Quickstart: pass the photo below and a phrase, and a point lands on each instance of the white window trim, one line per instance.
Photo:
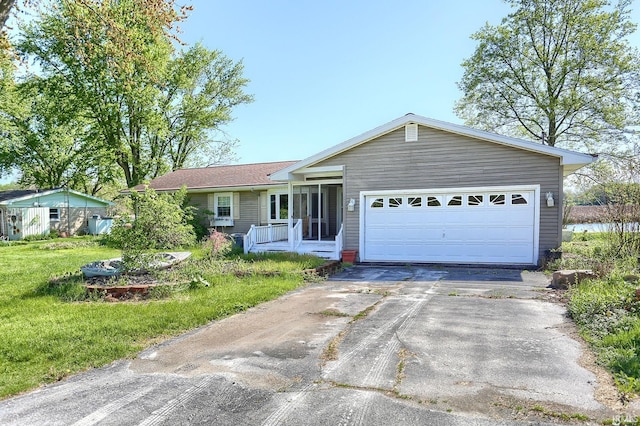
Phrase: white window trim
(59, 211)
(223, 220)
(277, 193)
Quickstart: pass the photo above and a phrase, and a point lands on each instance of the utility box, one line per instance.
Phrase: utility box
(238, 240)
(100, 225)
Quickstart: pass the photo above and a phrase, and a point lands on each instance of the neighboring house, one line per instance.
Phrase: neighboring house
(412, 190)
(25, 212)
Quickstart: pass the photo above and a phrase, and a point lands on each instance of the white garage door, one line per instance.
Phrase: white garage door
(461, 226)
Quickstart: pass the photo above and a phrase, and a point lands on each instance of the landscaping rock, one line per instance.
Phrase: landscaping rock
(325, 270)
(561, 280)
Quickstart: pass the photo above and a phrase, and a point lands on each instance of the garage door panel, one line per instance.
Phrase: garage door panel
(468, 233)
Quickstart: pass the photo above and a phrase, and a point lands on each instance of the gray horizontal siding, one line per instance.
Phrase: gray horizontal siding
(249, 211)
(444, 160)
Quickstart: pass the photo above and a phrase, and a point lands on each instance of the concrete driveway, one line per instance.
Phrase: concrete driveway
(373, 345)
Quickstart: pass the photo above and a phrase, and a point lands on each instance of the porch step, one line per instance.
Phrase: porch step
(326, 251)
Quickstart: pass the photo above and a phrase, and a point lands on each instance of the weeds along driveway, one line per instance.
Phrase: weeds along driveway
(373, 345)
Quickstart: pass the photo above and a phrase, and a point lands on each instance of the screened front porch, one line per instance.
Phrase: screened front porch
(303, 218)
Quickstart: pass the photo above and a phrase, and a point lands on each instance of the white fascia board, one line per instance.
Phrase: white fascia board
(91, 197)
(54, 191)
(227, 188)
(566, 156)
(287, 173)
(30, 196)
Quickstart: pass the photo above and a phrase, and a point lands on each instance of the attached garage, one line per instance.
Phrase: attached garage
(422, 190)
(492, 225)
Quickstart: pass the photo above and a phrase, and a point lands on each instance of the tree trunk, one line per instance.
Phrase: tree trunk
(5, 10)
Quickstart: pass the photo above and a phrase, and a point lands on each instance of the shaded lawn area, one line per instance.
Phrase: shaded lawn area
(44, 338)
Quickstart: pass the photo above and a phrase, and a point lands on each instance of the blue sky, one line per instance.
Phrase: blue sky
(325, 71)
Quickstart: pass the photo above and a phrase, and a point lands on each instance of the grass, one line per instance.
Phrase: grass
(607, 309)
(50, 330)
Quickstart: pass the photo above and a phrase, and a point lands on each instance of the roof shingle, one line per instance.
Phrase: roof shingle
(218, 176)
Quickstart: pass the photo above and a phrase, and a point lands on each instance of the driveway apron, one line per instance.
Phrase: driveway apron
(409, 345)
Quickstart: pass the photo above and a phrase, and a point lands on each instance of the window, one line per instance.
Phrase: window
(475, 200)
(497, 199)
(279, 207)
(224, 208)
(454, 200)
(377, 203)
(414, 201)
(518, 199)
(433, 202)
(223, 205)
(54, 214)
(395, 202)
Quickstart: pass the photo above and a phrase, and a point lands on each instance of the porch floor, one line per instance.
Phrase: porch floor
(325, 249)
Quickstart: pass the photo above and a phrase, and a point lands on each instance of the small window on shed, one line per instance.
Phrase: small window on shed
(518, 199)
(414, 201)
(377, 203)
(395, 202)
(433, 202)
(54, 214)
(497, 199)
(454, 200)
(475, 200)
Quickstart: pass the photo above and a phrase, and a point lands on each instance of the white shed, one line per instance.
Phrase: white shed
(28, 212)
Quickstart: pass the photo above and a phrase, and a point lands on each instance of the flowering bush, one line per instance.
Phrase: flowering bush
(217, 245)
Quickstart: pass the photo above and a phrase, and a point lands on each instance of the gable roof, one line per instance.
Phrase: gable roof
(570, 160)
(231, 176)
(15, 195)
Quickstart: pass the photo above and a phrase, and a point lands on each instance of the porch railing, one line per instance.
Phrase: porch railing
(264, 234)
(338, 249)
(296, 234)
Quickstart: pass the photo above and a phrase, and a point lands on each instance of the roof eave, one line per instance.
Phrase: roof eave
(200, 189)
(566, 157)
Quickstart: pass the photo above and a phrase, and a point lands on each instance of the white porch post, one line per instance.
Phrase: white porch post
(290, 235)
(319, 212)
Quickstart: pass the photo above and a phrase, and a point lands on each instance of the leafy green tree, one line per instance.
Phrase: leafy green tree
(145, 112)
(558, 70)
(203, 87)
(54, 146)
(114, 82)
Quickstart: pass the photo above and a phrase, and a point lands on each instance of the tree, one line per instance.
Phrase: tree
(53, 145)
(5, 10)
(136, 100)
(203, 86)
(559, 71)
(10, 107)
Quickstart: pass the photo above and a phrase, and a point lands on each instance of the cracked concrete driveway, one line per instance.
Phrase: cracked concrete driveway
(372, 345)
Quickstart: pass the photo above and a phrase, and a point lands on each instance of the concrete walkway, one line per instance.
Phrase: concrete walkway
(373, 345)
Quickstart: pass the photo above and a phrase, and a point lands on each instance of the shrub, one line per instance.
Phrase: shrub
(217, 245)
(161, 223)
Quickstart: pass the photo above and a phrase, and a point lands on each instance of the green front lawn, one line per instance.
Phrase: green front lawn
(48, 331)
